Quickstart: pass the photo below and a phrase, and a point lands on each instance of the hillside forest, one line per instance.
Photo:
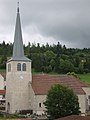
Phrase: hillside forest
(51, 58)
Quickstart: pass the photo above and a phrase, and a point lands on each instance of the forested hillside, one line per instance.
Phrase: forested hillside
(47, 58)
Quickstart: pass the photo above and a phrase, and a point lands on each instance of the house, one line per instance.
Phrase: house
(25, 91)
(2, 92)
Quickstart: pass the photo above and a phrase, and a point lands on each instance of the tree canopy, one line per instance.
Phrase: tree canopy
(61, 101)
(51, 58)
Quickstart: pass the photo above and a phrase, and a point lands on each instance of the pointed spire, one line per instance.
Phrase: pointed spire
(18, 51)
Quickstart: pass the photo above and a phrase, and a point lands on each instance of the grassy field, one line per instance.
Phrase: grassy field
(85, 77)
(2, 70)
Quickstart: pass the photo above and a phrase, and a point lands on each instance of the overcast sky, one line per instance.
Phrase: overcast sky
(66, 21)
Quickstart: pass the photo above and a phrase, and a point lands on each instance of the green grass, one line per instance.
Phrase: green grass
(11, 116)
(85, 77)
(2, 70)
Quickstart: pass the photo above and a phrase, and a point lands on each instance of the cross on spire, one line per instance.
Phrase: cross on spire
(18, 6)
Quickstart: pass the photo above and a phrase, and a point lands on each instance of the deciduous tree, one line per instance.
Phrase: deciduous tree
(61, 101)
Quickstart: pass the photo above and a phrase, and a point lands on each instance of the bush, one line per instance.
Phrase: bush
(61, 101)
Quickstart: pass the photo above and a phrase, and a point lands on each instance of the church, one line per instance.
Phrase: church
(25, 91)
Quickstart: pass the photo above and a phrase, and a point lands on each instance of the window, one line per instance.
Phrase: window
(4, 87)
(9, 67)
(40, 105)
(89, 99)
(24, 67)
(8, 107)
(19, 67)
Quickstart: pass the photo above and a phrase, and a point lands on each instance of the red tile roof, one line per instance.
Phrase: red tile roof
(75, 117)
(42, 83)
(2, 92)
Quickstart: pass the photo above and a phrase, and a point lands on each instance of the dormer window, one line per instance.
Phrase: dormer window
(9, 67)
(24, 67)
(19, 67)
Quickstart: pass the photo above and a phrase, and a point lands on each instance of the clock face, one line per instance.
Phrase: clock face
(21, 77)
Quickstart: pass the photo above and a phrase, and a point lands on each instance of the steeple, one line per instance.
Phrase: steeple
(18, 51)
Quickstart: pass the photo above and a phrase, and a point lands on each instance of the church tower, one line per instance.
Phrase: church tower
(18, 74)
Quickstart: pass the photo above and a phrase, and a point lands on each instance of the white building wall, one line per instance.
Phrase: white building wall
(31, 98)
(40, 99)
(17, 90)
(87, 91)
(2, 85)
(1, 82)
(35, 100)
(82, 103)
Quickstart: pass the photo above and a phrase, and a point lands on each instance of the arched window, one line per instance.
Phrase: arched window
(9, 67)
(89, 99)
(8, 107)
(24, 67)
(19, 67)
(40, 105)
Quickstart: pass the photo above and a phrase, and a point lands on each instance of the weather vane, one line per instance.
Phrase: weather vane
(18, 3)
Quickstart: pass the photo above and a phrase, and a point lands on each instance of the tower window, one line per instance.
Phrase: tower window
(24, 67)
(19, 67)
(9, 67)
(40, 105)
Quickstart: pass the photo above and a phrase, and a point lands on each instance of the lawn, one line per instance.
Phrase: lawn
(2, 70)
(85, 77)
